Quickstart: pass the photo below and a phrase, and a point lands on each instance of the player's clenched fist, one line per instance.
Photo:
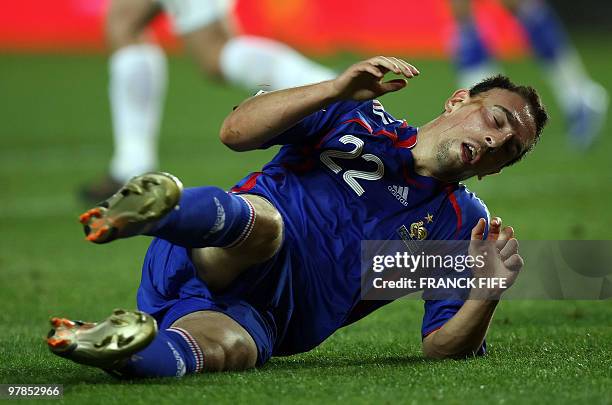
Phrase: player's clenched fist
(501, 257)
(364, 80)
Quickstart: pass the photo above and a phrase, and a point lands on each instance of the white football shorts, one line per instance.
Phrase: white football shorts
(190, 15)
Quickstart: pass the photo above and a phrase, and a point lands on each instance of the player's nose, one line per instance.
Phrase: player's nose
(496, 139)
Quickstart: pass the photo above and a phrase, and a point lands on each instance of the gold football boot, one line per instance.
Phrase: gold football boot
(106, 344)
(131, 210)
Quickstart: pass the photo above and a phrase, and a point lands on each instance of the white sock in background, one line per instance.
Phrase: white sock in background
(256, 62)
(138, 79)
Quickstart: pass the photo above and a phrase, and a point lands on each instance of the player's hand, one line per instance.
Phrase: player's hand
(501, 257)
(364, 80)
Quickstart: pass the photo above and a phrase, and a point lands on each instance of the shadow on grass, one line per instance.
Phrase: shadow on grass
(313, 362)
(73, 375)
(70, 375)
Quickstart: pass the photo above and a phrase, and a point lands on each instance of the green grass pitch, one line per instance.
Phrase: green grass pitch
(55, 131)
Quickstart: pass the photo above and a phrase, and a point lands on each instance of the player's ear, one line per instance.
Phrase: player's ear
(455, 100)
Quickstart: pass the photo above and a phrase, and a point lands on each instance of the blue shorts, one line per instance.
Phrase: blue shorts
(286, 307)
(171, 289)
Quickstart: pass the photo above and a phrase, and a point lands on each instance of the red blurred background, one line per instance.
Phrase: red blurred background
(314, 26)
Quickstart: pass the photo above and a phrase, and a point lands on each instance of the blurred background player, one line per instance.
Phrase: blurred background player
(138, 73)
(583, 101)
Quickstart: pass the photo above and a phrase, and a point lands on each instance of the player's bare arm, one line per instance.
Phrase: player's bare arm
(263, 117)
(465, 332)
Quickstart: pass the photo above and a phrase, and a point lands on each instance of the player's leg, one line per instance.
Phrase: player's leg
(219, 266)
(252, 62)
(226, 232)
(583, 100)
(255, 62)
(136, 91)
(471, 57)
(128, 345)
(202, 341)
(225, 344)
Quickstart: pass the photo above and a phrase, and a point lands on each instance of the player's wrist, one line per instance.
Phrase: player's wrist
(333, 91)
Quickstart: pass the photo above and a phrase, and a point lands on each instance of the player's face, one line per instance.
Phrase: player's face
(482, 134)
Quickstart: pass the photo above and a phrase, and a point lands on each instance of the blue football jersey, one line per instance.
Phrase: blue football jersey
(343, 175)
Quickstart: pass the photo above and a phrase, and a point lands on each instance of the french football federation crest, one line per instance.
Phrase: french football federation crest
(418, 231)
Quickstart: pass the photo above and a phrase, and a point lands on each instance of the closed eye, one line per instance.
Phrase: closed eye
(497, 124)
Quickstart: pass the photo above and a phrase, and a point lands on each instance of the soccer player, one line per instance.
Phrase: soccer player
(583, 101)
(138, 73)
(273, 267)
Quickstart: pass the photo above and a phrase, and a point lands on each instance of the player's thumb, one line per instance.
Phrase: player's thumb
(393, 85)
(479, 229)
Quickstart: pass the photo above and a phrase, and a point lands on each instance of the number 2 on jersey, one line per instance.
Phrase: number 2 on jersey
(350, 176)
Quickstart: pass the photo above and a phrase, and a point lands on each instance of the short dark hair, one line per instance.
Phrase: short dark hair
(529, 94)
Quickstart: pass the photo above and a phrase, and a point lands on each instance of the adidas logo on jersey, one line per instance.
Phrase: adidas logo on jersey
(400, 193)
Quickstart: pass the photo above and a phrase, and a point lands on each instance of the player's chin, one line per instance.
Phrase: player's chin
(463, 169)
(467, 169)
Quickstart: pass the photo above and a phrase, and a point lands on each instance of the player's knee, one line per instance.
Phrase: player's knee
(270, 230)
(206, 45)
(238, 353)
(126, 20)
(121, 31)
(225, 347)
(267, 235)
(225, 355)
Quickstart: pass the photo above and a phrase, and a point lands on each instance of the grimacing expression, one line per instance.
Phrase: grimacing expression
(484, 133)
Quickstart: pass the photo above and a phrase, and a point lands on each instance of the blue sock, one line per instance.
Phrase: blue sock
(173, 353)
(207, 216)
(546, 34)
(470, 51)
